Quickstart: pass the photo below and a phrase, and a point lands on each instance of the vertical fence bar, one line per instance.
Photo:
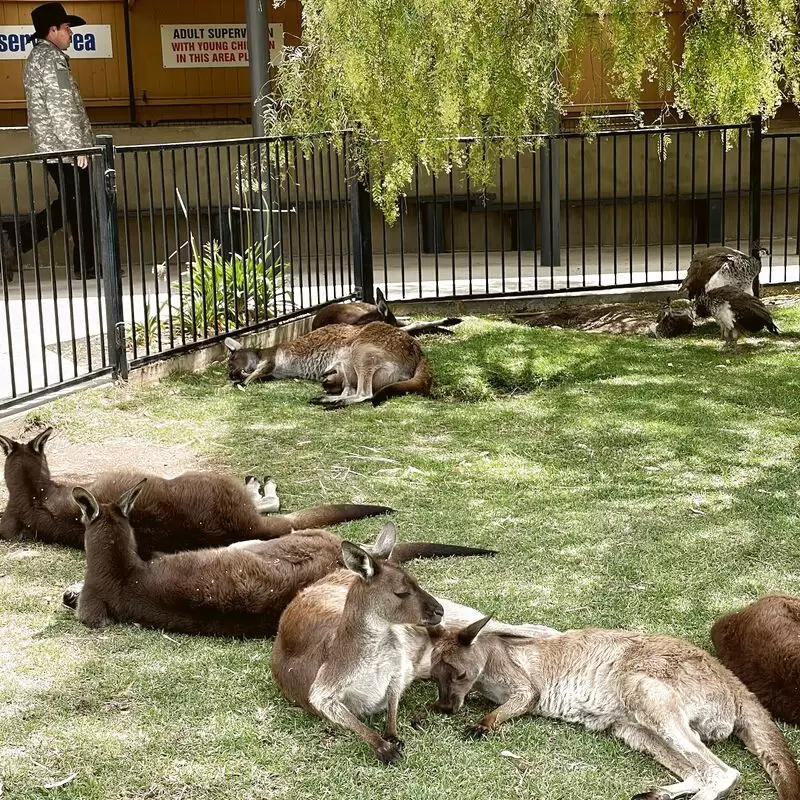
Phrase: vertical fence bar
(362, 238)
(106, 188)
(756, 141)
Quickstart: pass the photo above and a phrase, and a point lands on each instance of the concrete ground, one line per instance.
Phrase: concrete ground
(49, 329)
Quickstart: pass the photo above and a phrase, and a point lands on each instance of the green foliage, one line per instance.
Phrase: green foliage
(740, 58)
(411, 76)
(217, 292)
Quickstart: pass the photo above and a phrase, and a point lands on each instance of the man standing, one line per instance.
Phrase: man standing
(57, 121)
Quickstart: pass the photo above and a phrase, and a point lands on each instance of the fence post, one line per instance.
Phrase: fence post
(756, 140)
(550, 207)
(361, 223)
(106, 185)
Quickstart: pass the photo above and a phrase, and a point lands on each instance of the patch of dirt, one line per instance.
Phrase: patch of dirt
(605, 318)
(72, 462)
(631, 318)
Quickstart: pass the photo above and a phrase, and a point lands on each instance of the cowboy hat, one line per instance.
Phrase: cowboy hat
(52, 14)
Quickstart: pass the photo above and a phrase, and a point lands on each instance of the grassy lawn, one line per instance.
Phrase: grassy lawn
(627, 482)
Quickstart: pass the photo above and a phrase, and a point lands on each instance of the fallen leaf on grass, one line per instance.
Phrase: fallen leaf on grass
(62, 782)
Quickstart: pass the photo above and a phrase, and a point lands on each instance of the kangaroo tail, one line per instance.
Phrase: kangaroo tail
(405, 551)
(433, 326)
(319, 517)
(763, 738)
(419, 383)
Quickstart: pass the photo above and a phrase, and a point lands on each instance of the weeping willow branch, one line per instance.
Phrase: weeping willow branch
(413, 75)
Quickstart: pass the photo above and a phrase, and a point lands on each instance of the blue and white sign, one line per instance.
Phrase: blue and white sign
(88, 41)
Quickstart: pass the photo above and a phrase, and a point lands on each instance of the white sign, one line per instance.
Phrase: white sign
(187, 46)
(88, 41)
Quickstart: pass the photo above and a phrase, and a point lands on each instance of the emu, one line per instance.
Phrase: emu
(193, 510)
(759, 644)
(349, 645)
(658, 694)
(239, 591)
(358, 363)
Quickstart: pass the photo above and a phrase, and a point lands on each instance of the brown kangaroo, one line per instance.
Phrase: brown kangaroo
(369, 362)
(196, 509)
(359, 313)
(346, 647)
(658, 694)
(349, 645)
(759, 644)
(239, 590)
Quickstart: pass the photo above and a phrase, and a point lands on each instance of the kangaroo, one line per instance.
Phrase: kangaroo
(193, 510)
(370, 362)
(345, 660)
(759, 645)
(349, 645)
(359, 313)
(238, 591)
(658, 694)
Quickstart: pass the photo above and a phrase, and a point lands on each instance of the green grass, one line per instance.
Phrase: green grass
(627, 482)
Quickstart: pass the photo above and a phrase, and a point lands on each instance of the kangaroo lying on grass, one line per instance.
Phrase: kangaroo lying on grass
(359, 363)
(239, 590)
(759, 644)
(194, 510)
(359, 313)
(658, 694)
(349, 645)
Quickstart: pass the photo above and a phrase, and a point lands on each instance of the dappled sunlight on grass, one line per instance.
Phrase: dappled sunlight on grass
(625, 482)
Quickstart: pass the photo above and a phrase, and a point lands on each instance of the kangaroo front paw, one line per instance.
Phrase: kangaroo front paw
(388, 752)
(477, 731)
(71, 595)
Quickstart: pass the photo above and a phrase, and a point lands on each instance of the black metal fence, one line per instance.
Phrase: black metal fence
(207, 239)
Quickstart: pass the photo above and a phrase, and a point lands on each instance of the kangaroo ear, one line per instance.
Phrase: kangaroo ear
(386, 541)
(86, 502)
(358, 560)
(7, 444)
(466, 636)
(232, 344)
(41, 440)
(127, 499)
(383, 308)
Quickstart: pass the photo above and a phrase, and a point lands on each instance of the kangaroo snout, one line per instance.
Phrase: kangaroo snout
(433, 613)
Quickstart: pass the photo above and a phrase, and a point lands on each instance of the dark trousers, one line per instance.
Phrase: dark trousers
(73, 197)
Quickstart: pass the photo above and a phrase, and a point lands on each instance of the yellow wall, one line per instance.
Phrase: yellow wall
(161, 94)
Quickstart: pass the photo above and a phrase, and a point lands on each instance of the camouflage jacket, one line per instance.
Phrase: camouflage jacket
(56, 115)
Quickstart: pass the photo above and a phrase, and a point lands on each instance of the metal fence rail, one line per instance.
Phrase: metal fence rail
(618, 208)
(52, 309)
(202, 240)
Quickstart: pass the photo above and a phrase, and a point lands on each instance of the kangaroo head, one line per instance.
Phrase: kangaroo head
(242, 362)
(26, 460)
(105, 522)
(386, 591)
(456, 663)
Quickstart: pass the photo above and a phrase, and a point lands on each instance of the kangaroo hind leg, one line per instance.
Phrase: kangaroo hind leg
(657, 708)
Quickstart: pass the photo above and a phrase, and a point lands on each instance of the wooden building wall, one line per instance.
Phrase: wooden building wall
(161, 94)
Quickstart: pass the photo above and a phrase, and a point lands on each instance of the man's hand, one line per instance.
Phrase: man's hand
(82, 161)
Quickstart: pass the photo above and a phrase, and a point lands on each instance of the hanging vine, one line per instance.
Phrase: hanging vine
(411, 76)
